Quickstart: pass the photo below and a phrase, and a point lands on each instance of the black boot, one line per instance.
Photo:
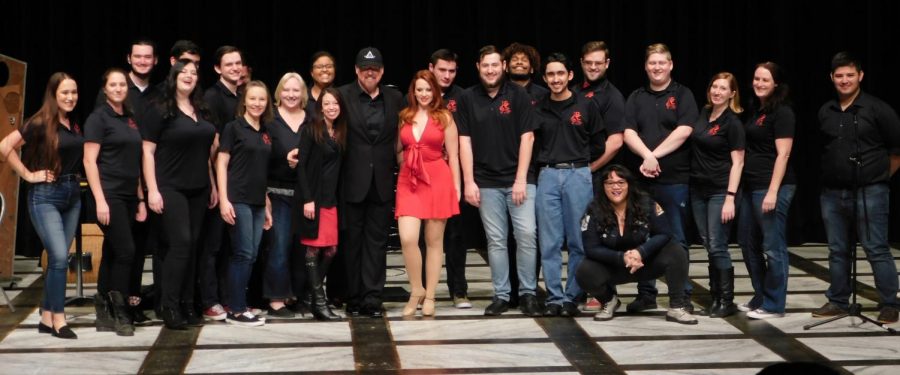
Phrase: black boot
(319, 306)
(123, 324)
(714, 295)
(726, 294)
(104, 321)
(173, 319)
(190, 315)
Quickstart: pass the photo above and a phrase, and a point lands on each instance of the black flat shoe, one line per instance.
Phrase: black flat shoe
(43, 328)
(64, 332)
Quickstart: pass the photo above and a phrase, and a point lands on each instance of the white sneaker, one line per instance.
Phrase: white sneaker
(745, 307)
(461, 302)
(680, 315)
(763, 314)
(246, 319)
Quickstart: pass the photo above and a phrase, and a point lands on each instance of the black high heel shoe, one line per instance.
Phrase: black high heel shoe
(64, 332)
(43, 328)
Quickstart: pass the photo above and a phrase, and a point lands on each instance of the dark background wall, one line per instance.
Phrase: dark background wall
(85, 38)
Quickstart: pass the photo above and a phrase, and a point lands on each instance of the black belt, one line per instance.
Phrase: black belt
(567, 165)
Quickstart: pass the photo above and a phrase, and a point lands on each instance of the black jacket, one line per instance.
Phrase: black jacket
(310, 180)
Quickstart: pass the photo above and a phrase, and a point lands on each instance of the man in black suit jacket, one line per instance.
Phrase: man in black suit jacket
(368, 181)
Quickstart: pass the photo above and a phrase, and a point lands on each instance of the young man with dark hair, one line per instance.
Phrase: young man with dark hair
(142, 59)
(521, 61)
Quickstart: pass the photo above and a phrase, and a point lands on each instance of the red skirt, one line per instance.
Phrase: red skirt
(328, 229)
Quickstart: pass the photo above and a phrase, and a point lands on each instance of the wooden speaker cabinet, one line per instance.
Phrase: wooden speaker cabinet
(12, 94)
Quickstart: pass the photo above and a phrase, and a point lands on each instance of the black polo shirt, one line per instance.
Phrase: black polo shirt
(136, 100)
(570, 130)
(495, 126)
(119, 160)
(761, 130)
(654, 115)
(877, 137)
(70, 146)
(182, 149)
(609, 100)
(281, 175)
(222, 104)
(373, 112)
(712, 143)
(536, 92)
(451, 98)
(248, 166)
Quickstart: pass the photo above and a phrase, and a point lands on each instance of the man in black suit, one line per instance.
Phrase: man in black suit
(368, 181)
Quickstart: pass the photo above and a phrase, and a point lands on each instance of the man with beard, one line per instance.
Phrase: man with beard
(597, 87)
(142, 59)
(496, 126)
(367, 182)
(521, 60)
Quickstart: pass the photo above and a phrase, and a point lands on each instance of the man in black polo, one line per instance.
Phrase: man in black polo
(658, 120)
(142, 59)
(496, 127)
(597, 87)
(212, 261)
(367, 183)
(464, 230)
(861, 135)
(572, 136)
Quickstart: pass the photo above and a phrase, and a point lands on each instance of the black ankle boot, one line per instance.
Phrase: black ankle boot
(726, 294)
(123, 323)
(104, 321)
(319, 307)
(714, 294)
(173, 319)
(190, 315)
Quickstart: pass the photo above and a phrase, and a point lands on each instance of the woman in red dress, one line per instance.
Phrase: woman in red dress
(427, 185)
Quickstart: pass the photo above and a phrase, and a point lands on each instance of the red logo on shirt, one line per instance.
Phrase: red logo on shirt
(76, 128)
(576, 118)
(714, 130)
(132, 124)
(589, 94)
(670, 103)
(266, 139)
(585, 85)
(451, 105)
(504, 107)
(760, 120)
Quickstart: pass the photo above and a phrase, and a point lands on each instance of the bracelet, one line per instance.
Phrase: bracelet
(731, 193)
(141, 200)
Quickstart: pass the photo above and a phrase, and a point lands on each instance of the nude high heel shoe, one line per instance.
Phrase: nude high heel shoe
(413, 304)
(428, 307)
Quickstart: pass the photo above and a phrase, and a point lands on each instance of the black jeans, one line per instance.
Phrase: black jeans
(118, 247)
(599, 279)
(212, 259)
(181, 221)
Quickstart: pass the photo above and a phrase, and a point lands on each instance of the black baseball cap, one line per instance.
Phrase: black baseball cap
(369, 56)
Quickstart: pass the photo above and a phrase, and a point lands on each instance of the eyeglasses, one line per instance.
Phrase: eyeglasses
(323, 66)
(618, 184)
(595, 63)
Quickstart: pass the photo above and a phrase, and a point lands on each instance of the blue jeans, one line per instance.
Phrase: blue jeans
(873, 202)
(674, 201)
(55, 209)
(277, 277)
(562, 197)
(245, 236)
(495, 203)
(763, 242)
(707, 209)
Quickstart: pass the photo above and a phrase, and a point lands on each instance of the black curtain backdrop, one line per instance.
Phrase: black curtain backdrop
(85, 38)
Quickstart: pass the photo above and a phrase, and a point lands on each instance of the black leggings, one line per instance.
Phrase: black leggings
(181, 221)
(118, 247)
(599, 279)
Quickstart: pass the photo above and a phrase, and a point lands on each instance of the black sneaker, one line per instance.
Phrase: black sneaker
(245, 318)
(283, 313)
(641, 303)
(887, 315)
(529, 305)
(552, 309)
(569, 309)
(827, 310)
(497, 307)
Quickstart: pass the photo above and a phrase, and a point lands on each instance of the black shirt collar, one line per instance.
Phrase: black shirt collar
(862, 100)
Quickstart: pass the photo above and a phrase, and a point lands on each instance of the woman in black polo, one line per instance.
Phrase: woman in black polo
(769, 188)
(52, 148)
(241, 169)
(716, 163)
(177, 146)
(321, 146)
(112, 163)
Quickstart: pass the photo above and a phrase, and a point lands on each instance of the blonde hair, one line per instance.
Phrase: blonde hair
(658, 48)
(304, 96)
(735, 103)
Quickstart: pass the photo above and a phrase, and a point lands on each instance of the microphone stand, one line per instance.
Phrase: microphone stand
(855, 308)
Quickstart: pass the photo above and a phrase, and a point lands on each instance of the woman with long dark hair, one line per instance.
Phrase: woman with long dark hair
(717, 142)
(52, 148)
(769, 185)
(627, 239)
(178, 147)
(427, 185)
(319, 162)
(112, 163)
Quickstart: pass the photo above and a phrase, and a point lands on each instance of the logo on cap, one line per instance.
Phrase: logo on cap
(369, 55)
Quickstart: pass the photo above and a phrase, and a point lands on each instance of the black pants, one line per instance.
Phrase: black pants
(599, 279)
(118, 247)
(365, 248)
(139, 233)
(181, 221)
(212, 259)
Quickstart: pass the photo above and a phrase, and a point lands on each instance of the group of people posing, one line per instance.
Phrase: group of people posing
(314, 166)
